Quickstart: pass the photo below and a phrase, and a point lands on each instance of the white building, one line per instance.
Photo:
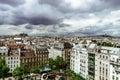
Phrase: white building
(56, 51)
(18, 40)
(13, 59)
(115, 64)
(107, 63)
(84, 63)
(3, 51)
(75, 59)
(13, 62)
(78, 62)
(103, 61)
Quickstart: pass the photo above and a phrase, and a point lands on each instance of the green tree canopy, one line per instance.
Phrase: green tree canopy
(20, 72)
(106, 44)
(52, 63)
(58, 63)
(17, 73)
(3, 69)
(34, 69)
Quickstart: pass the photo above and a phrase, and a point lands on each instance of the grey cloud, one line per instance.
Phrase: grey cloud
(113, 2)
(59, 4)
(36, 20)
(42, 14)
(30, 27)
(64, 25)
(46, 12)
(12, 2)
(48, 16)
(5, 7)
(107, 28)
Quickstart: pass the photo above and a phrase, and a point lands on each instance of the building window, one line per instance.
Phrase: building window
(106, 72)
(103, 56)
(113, 77)
(100, 62)
(106, 57)
(116, 78)
(3, 53)
(103, 78)
(100, 69)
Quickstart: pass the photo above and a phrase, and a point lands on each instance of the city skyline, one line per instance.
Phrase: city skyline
(60, 17)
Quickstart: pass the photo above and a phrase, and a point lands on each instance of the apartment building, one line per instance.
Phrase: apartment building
(11, 55)
(75, 58)
(2, 42)
(79, 60)
(3, 52)
(18, 54)
(62, 49)
(34, 58)
(13, 58)
(92, 64)
(42, 54)
(115, 64)
(103, 63)
(84, 62)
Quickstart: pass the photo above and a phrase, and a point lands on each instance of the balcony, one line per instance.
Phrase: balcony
(117, 69)
(115, 63)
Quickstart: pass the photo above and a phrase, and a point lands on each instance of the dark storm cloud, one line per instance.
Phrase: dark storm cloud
(12, 2)
(113, 2)
(64, 25)
(51, 10)
(43, 20)
(52, 28)
(33, 14)
(36, 20)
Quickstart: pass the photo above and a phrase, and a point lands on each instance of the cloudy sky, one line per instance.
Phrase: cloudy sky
(60, 17)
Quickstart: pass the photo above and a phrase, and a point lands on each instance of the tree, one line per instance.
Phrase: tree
(42, 65)
(60, 63)
(76, 77)
(17, 73)
(25, 70)
(34, 69)
(3, 69)
(52, 64)
(106, 44)
(21, 72)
